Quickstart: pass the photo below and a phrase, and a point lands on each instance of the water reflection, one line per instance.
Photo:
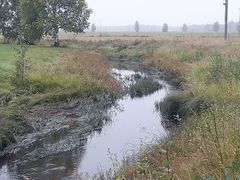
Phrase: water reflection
(73, 143)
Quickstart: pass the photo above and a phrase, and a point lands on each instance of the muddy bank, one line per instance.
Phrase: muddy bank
(58, 131)
(55, 118)
(74, 139)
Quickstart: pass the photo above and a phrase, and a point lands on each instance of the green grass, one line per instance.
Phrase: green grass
(9, 123)
(144, 86)
(54, 75)
(206, 146)
(206, 67)
(35, 54)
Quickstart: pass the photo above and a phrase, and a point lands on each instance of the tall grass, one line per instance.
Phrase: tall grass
(144, 86)
(75, 75)
(206, 145)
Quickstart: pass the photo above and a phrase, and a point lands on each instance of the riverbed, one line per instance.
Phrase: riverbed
(74, 148)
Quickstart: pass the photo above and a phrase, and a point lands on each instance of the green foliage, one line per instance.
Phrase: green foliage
(222, 68)
(20, 77)
(12, 123)
(32, 20)
(9, 19)
(144, 86)
(218, 131)
(129, 52)
(51, 79)
(181, 106)
(67, 15)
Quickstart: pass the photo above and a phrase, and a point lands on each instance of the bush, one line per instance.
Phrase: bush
(144, 86)
(180, 106)
(222, 68)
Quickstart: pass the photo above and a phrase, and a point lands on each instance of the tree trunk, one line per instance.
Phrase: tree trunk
(56, 37)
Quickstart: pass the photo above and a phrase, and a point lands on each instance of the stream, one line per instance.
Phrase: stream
(77, 146)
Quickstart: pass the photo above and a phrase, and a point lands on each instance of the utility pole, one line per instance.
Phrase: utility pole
(225, 3)
(238, 27)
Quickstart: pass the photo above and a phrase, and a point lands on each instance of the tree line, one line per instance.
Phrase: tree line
(31, 20)
(215, 27)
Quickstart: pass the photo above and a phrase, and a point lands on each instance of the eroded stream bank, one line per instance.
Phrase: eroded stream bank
(75, 144)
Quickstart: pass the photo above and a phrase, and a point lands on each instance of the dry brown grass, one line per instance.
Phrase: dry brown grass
(89, 65)
(80, 70)
(208, 147)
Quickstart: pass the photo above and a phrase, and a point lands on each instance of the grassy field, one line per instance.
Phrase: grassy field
(206, 143)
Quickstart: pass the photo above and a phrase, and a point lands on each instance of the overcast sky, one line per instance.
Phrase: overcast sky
(156, 12)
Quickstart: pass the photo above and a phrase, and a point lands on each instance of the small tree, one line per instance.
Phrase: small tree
(216, 27)
(184, 28)
(67, 15)
(32, 20)
(137, 26)
(20, 76)
(165, 27)
(93, 28)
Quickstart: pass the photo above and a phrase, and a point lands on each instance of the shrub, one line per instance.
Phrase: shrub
(222, 68)
(181, 106)
(144, 86)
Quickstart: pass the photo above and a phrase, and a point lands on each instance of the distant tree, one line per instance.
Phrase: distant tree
(165, 27)
(32, 20)
(93, 28)
(238, 28)
(184, 28)
(216, 27)
(9, 19)
(137, 28)
(67, 15)
(231, 26)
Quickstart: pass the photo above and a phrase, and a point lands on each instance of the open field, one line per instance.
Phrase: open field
(206, 143)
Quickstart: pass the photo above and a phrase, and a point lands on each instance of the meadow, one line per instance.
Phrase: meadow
(204, 144)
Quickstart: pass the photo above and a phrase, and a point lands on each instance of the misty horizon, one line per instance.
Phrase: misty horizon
(153, 12)
(232, 26)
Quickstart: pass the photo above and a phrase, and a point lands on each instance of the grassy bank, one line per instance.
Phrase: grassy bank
(206, 143)
(53, 75)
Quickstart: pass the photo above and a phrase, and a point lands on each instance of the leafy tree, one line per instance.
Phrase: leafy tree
(9, 19)
(184, 28)
(67, 15)
(32, 20)
(216, 27)
(93, 28)
(165, 27)
(137, 28)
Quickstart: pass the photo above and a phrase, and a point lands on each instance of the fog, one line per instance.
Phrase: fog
(156, 12)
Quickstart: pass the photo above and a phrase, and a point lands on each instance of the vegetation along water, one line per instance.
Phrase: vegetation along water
(116, 105)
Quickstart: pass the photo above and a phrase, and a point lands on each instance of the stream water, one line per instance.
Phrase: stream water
(73, 148)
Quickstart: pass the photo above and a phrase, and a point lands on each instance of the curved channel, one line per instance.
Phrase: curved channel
(75, 149)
